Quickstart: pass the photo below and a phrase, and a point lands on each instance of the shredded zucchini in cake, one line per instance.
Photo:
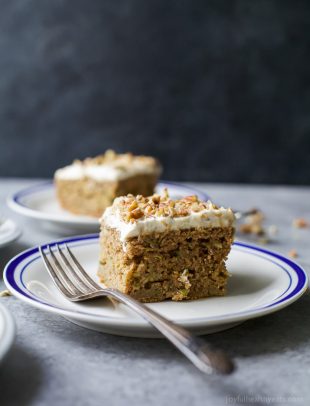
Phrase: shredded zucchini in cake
(183, 292)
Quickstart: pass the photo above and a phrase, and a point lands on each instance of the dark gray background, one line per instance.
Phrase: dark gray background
(218, 90)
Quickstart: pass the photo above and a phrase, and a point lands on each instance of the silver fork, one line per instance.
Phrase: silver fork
(76, 285)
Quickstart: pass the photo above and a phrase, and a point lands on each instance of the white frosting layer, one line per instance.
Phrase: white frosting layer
(206, 218)
(108, 172)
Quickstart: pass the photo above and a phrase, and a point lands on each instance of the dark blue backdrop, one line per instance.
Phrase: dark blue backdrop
(218, 90)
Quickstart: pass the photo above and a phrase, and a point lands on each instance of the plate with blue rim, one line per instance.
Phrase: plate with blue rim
(38, 202)
(261, 282)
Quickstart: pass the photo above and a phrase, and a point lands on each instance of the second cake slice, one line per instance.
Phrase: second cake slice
(88, 187)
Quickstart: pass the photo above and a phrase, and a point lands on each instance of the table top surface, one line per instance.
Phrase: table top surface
(54, 362)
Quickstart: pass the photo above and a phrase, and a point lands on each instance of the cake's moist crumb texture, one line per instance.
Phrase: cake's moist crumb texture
(90, 197)
(88, 187)
(176, 263)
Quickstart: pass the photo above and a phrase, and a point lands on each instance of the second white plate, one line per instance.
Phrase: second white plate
(39, 203)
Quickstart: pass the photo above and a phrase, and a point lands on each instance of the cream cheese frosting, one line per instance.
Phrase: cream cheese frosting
(210, 216)
(109, 167)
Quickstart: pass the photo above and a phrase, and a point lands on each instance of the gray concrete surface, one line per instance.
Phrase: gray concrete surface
(54, 362)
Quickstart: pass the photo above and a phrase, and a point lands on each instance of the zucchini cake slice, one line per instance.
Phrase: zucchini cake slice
(88, 187)
(156, 248)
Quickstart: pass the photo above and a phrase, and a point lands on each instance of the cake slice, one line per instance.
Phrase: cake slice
(88, 187)
(156, 248)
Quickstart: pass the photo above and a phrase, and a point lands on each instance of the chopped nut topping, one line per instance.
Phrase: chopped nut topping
(165, 194)
(193, 198)
(300, 223)
(136, 214)
(132, 208)
(120, 161)
(156, 199)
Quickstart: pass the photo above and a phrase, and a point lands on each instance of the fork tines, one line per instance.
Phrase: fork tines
(67, 273)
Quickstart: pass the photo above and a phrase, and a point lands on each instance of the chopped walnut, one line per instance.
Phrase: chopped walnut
(300, 223)
(135, 214)
(193, 198)
(132, 208)
(165, 194)
(121, 161)
(156, 199)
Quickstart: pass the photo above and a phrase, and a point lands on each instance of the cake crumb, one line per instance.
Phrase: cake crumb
(263, 240)
(253, 224)
(5, 293)
(300, 223)
(272, 229)
(293, 253)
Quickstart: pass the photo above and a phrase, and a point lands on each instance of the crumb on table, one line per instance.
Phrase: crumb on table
(293, 253)
(263, 240)
(272, 229)
(253, 224)
(300, 223)
(5, 293)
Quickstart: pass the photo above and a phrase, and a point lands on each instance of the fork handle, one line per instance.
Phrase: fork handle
(202, 355)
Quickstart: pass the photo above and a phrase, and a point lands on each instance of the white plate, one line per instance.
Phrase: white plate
(39, 202)
(262, 282)
(9, 232)
(7, 331)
